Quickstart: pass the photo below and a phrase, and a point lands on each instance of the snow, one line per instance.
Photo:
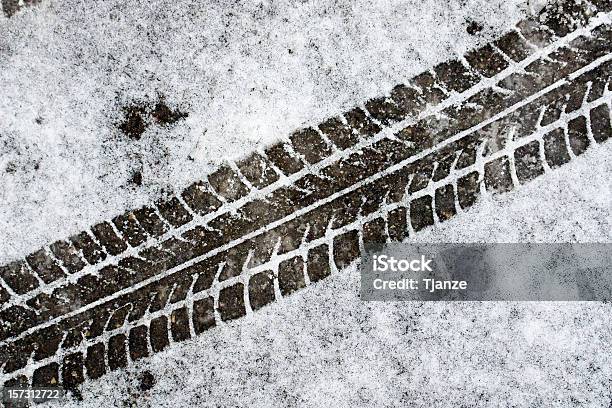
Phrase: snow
(247, 74)
(324, 347)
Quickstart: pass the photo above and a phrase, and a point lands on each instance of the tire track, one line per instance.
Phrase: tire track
(205, 203)
(301, 210)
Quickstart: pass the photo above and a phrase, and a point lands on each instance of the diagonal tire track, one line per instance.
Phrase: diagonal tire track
(184, 220)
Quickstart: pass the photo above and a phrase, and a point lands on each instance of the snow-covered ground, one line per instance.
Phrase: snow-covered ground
(324, 347)
(247, 73)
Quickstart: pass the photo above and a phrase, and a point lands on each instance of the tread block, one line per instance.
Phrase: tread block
(445, 158)
(72, 370)
(200, 199)
(310, 145)
(98, 322)
(528, 162)
(555, 149)
(203, 315)
(397, 224)
(19, 381)
(468, 189)
(142, 267)
(150, 221)
(599, 78)
(227, 184)
(418, 136)
(348, 208)
(230, 225)
(138, 342)
(18, 277)
(117, 353)
(46, 376)
(422, 177)
(317, 265)
(235, 261)
(432, 91)
(598, 88)
(140, 304)
(600, 123)
(394, 151)
(179, 324)
(109, 280)
(374, 232)
(257, 170)
(260, 212)
(67, 255)
(92, 252)
(358, 120)
(445, 202)
(262, 248)
(162, 291)
(455, 76)
(486, 61)
(556, 105)
(577, 134)
(73, 338)
(318, 221)
(339, 133)
(467, 157)
(178, 251)
(106, 236)
(536, 33)
(285, 161)
(497, 175)
(261, 289)
(373, 197)
(158, 332)
(292, 234)
(204, 239)
(514, 46)
(525, 120)
(231, 302)
(131, 230)
(572, 59)
(4, 295)
(173, 211)
(291, 275)
(15, 356)
(407, 99)
(182, 287)
(48, 305)
(346, 248)
(94, 362)
(345, 172)
(206, 275)
(421, 213)
(384, 110)
(576, 95)
(118, 317)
